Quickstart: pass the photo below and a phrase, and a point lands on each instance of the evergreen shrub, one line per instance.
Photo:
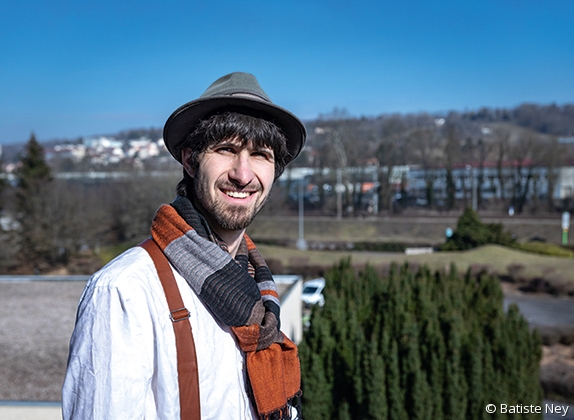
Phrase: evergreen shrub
(416, 345)
(471, 232)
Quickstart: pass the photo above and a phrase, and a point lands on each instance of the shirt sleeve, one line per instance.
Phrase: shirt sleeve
(109, 369)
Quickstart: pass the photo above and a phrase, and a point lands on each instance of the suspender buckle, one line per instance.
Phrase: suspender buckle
(180, 314)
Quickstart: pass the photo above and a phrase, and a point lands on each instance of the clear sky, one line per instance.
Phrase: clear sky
(71, 68)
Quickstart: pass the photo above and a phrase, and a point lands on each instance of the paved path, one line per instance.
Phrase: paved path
(543, 310)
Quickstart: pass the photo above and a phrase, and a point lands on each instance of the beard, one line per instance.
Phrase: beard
(227, 216)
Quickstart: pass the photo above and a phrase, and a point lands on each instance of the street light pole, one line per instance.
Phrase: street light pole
(376, 191)
(301, 243)
(472, 173)
(339, 188)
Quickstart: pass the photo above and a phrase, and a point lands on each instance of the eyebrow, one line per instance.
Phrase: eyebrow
(224, 143)
(234, 143)
(264, 149)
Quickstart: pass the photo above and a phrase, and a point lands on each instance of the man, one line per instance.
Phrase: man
(233, 142)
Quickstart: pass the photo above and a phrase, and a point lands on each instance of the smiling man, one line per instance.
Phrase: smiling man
(217, 352)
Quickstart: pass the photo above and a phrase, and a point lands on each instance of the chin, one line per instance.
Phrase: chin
(238, 221)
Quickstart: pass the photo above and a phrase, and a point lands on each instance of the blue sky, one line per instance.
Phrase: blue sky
(78, 68)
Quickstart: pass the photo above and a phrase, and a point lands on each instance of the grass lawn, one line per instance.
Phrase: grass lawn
(496, 259)
(410, 231)
(519, 265)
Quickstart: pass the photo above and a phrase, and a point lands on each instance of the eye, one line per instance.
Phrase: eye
(225, 149)
(265, 154)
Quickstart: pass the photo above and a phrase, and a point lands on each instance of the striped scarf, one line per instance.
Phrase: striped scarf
(248, 303)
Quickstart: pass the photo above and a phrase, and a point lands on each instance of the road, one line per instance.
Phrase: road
(543, 310)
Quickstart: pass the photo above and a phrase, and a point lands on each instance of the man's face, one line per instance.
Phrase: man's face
(232, 182)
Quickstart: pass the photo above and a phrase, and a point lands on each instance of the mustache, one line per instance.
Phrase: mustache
(230, 186)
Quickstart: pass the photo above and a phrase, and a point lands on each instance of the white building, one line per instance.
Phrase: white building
(143, 148)
(289, 288)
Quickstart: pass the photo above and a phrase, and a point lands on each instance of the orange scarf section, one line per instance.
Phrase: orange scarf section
(274, 372)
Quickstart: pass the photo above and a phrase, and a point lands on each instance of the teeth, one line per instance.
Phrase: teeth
(238, 194)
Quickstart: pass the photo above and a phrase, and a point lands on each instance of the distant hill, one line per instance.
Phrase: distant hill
(545, 119)
(556, 120)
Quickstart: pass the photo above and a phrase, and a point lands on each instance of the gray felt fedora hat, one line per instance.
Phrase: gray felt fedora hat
(236, 92)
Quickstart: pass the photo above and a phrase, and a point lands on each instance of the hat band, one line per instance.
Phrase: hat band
(248, 94)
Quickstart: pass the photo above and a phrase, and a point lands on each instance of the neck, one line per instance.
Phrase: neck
(232, 238)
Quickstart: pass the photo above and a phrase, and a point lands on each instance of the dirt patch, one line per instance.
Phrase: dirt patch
(557, 372)
(558, 353)
(36, 322)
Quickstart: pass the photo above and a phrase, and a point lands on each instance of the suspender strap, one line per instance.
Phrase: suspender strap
(186, 357)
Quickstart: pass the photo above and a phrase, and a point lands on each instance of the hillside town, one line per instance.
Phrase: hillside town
(100, 151)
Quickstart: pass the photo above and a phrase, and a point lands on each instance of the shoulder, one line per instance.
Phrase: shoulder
(133, 265)
(131, 275)
(128, 287)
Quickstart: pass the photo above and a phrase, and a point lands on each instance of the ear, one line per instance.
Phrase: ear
(186, 161)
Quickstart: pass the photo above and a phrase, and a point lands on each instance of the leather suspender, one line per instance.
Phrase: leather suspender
(186, 357)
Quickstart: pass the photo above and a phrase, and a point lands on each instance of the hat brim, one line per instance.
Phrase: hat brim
(184, 119)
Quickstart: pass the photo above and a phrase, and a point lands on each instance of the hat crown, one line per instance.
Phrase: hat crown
(236, 84)
(236, 92)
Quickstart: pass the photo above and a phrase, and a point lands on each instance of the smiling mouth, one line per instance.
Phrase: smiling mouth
(238, 194)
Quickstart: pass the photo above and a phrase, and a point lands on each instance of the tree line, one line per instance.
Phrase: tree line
(508, 149)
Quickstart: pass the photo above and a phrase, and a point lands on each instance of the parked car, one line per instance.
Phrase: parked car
(313, 292)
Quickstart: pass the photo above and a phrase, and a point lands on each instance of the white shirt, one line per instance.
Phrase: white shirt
(122, 362)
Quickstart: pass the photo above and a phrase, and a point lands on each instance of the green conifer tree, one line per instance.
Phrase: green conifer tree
(455, 386)
(375, 387)
(395, 393)
(317, 388)
(416, 345)
(472, 354)
(417, 391)
(34, 177)
(471, 232)
(33, 172)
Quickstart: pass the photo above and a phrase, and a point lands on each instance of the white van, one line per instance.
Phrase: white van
(313, 292)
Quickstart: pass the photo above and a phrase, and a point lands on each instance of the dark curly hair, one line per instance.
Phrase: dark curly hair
(245, 128)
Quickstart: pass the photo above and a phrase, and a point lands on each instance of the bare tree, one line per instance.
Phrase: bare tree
(391, 152)
(550, 155)
(520, 154)
(502, 138)
(133, 202)
(425, 150)
(451, 156)
(485, 148)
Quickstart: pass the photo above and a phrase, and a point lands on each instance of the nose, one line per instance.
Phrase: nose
(241, 172)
